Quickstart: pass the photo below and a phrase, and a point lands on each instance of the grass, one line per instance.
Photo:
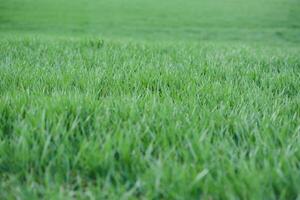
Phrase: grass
(99, 101)
(228, 20)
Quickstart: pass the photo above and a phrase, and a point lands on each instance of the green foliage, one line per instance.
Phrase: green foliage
(214, 20)
(94, 104)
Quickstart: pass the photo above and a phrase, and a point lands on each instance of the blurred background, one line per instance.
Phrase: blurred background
(224, 20)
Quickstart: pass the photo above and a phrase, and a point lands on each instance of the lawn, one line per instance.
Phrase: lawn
(132, 99)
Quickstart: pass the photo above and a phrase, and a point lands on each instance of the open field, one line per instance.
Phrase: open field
(131, 99)
(227, 20)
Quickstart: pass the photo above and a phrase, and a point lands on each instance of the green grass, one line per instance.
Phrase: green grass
(149, 100)
(268, 20)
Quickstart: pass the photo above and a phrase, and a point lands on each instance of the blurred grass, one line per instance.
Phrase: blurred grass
(268, 20)
(128, 99)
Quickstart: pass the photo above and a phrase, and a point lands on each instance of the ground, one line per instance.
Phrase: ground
(130, 99)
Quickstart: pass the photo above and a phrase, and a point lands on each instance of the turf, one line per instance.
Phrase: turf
(149, 100)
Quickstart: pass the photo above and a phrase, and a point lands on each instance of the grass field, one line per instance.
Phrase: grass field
(132, 99)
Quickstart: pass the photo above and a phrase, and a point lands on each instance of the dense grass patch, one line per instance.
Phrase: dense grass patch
(149, 99)
(84, 118)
